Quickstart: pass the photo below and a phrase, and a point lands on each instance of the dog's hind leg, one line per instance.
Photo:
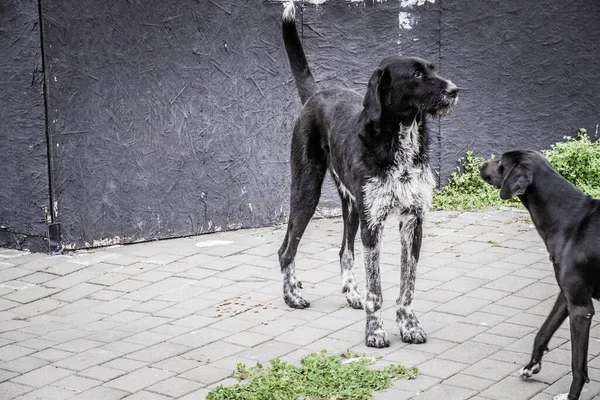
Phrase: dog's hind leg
(580, 321)
(411, 234)
(375, 336)
(305, 193)
(540, 345)
(351, 222)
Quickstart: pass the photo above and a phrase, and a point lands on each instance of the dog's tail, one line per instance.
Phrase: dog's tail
(305, 83)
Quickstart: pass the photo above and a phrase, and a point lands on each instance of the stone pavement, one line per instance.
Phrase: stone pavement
(171, 319)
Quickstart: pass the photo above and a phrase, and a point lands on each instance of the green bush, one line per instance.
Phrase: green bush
(467, 191)
(578, 160)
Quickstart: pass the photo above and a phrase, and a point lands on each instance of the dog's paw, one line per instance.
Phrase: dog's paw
(563, 396)
(378, 339)
(296, 301)
(410, 330)
(354, 299)
(530, 369)
(414, 335)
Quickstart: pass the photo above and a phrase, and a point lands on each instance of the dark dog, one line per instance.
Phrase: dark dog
(569, 222)
(376, 151)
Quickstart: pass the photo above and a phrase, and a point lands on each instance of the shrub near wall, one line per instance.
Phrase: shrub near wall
(577, 159)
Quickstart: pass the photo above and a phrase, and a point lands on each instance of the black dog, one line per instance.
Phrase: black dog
(569, 222)
(376, 151)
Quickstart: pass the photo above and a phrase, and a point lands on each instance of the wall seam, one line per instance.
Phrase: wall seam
(53, 211)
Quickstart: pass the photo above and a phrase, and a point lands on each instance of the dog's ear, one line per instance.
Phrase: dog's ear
(372, 102)
(516, 182)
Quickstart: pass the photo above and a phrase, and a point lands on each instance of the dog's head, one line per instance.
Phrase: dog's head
(407, 86)
(512, 173)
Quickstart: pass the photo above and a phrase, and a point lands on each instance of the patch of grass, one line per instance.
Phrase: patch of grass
(577, 159)
(320, 376)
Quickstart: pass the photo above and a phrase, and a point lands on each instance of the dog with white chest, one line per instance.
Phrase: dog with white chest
(376, 149)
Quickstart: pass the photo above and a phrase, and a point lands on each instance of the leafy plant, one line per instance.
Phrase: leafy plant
(466, 190)
(578, 160)
(319, 377)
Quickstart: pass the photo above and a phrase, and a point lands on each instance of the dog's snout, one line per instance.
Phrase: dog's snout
(451, 89)
(481, 165)
(452, 93)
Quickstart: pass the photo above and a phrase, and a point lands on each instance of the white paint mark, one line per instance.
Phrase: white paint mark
(412, 3)
(212, 243)
(404, 19)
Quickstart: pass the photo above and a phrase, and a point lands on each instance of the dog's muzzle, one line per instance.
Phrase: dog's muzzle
(449, 99)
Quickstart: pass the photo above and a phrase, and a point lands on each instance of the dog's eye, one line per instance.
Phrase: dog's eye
(417, 74)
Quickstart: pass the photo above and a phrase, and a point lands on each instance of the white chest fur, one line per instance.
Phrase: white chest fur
(404, 186)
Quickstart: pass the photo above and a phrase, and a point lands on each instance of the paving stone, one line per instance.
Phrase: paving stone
(469, 352)
(23, 364)
(440, 368)
(513, 387)
(101, 373)
(42, 376)
(446, 392)
(139, 379)
(100, 393)
(144, 395)
(175, 387)
(47, 393)
(87, 359)
(491, 369)
(77, 383)
(10, 390)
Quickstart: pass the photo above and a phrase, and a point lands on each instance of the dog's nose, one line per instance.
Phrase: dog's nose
(481, 165)
(451, 89)
(452, 92)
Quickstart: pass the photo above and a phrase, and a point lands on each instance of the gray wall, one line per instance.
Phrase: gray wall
(24, 203)
(170, 118)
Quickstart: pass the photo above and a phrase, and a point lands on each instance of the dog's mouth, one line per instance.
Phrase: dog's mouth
(446, 105)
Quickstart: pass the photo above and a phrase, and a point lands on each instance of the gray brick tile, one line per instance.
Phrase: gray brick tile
(23, 364)
(124, 364)
(10, 390)
(87, 359)
(447, 392)
(458, 332)
(215, 351)
(159, 352)
(13, 351)
(206, 374)
(469, 382)
(42, 376)
(144, 395)
(77, 383)
(491, 369)
(100, 393)
(6, 375)
(409, 357)
(513, 387)
(175, 387)
(101, 373)
(139, 379)
(198, 394)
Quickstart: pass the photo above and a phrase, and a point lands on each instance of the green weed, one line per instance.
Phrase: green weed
(319, 377)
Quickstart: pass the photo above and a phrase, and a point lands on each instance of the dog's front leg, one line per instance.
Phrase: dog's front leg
(540, 345)
(375, 336)
(411, 234)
